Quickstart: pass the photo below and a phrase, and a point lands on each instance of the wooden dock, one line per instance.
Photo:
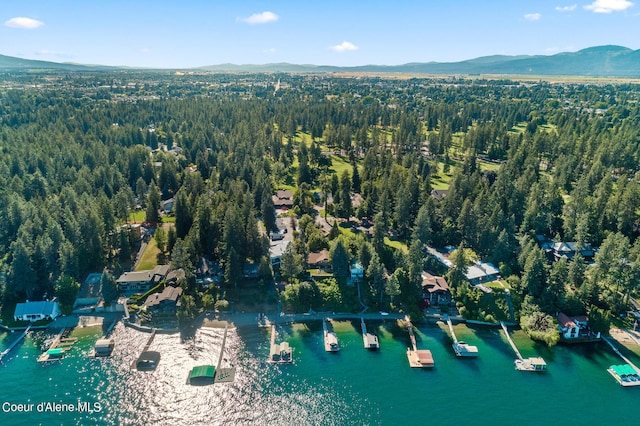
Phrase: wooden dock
(612, 370)
(370, 340)
(418, 358)
(529, 364)
(15, 342)
(58, 347)
(461, 348)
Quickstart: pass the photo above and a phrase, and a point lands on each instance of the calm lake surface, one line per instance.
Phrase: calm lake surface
(352, 387)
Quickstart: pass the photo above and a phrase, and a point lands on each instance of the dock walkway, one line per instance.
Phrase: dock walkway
(224, 375)
(15, 343)
(513, 345)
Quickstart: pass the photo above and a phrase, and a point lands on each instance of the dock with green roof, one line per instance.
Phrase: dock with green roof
(625, 374)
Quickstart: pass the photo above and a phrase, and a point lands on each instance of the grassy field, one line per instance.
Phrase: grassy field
(398, 245)
(137, 216)
(149, 257)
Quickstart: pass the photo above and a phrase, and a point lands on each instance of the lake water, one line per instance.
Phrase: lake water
(352, 387)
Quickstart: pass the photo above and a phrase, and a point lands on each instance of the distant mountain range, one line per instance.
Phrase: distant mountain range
(605, 61)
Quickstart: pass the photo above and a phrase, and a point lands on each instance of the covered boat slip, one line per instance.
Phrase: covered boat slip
(202, 375)
(625, 374)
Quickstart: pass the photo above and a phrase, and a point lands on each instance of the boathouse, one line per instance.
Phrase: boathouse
(35, 311)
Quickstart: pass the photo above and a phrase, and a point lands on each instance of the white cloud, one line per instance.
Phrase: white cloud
(261, 18)
(608, 6)
(345, 46)
(532, 16)
(55, 53)
(145, 50)
(566, 8)
(270, 50)
(24, 23)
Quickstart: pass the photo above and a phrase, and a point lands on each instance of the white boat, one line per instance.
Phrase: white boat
(464, 350)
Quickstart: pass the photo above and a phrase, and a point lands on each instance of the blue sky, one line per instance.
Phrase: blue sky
(189, 33)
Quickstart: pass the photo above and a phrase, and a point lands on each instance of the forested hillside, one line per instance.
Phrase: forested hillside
(79, 152)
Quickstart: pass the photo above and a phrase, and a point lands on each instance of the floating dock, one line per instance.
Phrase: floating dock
(330, 338)
(535, 364)
(626, 375)
(148, 360)
(461, 348)
(418, 358)
(370, 340)
(279, 353)
(15, 343)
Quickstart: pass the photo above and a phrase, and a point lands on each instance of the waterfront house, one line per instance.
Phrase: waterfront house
(166, 302)
(576, 327)
(35, 311)
(142, 281)
(435, 289)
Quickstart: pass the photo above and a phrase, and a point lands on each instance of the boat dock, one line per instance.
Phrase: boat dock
(461, 348)
(529, 364)
(627, 374)
(330, 338)
(58, 347)
(224, 375)
(279, 353)
(148, 360)
(417, 358)
(370, 340)
(15, 343)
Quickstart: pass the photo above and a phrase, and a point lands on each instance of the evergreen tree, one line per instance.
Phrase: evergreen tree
(108, 287)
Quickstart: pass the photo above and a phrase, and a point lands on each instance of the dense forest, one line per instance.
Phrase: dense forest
(80, 152)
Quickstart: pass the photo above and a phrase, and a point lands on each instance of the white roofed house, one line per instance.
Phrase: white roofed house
(482, 272)
(36, 311)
